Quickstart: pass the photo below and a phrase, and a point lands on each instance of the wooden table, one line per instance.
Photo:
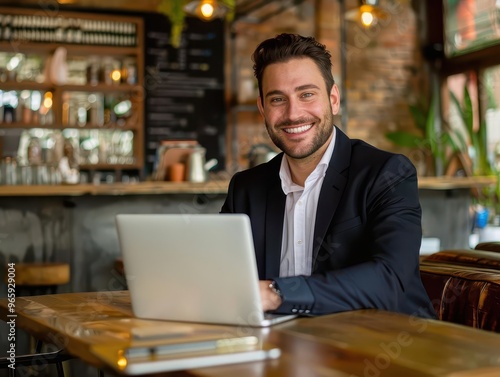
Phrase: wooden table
(359, 343)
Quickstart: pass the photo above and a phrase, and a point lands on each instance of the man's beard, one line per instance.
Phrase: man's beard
(325, 130)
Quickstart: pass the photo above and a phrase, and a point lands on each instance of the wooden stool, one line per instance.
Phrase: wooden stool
(41, 278)
(55, 357)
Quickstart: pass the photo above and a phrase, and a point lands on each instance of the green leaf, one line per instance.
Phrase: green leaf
(406, 139)
(173, 9)
(457, 141)
(458, 106)
(448, 139)
(490, 92)
(467, 112)
(231, 4)
(430, 128)
(418, 115)
(484, 165)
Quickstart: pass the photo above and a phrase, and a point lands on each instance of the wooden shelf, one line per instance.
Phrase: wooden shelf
(111, 127)
(44, 49)
(449, 183)
(73, 49)
(55, 126)
(102, 88)
(25, 85)
(19, 125)
(141, 188)
(110, 166)
(480, 58)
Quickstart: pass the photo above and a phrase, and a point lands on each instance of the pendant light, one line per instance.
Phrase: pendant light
(206, 10)
(367, 13)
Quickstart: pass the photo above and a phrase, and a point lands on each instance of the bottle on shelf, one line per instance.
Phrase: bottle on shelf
(102, 122)
(8, 171)
(34, 154)
(95, 111)
(109, 113)
(10, 102)
(24, 107)
(93, 72)
(46, 111)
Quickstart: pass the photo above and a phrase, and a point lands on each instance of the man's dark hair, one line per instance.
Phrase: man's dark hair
(284, 47)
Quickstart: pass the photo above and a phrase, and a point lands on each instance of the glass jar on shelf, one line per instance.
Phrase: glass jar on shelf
(106, 70)
(95, 110)
(35, 103)
(129, 71)
(24, 107)
(93, 71)
(34, 152)
(8, 171)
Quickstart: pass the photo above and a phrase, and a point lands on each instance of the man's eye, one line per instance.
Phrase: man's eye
(276, 99)
(307, 95)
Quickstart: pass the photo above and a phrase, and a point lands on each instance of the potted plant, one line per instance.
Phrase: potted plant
(487, 199)
(478, 148)
(433, 142)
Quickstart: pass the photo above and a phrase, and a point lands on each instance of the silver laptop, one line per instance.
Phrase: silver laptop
(192, 267)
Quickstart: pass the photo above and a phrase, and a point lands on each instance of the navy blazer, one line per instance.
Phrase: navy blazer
(366, 239)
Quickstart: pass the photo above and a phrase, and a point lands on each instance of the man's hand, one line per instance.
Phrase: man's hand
(270, 300)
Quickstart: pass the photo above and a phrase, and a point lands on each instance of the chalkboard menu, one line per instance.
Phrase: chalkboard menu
(185, 86)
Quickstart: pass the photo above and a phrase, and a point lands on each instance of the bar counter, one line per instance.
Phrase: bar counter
(209, 187)
(140, 188)
(75, 224)
(452, 183)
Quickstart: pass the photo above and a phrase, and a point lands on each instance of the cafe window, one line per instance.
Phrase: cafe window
(472, 111)
(470, 25)
(471, 78)
(491, 100)
(463, 94)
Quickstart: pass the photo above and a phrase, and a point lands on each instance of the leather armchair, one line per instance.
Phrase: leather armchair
(464, 287)
(489, 246)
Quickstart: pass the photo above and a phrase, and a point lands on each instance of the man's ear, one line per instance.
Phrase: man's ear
(335, 99)
(259, 105)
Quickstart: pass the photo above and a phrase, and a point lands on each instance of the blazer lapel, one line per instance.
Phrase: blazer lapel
(333, 186)
(275, 209)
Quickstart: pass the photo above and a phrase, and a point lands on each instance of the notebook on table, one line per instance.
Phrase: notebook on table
(192, 267)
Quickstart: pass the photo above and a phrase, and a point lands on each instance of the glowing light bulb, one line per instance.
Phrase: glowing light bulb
(207, 10)
(367, 18)
(47, 100)
(122, 362)
(47, 103)
(116, 76)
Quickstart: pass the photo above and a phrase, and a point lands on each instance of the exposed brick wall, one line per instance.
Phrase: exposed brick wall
(384, 74)
(384, 69)
(249, 125)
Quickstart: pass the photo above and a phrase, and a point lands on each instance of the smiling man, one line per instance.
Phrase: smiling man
(336, 222)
